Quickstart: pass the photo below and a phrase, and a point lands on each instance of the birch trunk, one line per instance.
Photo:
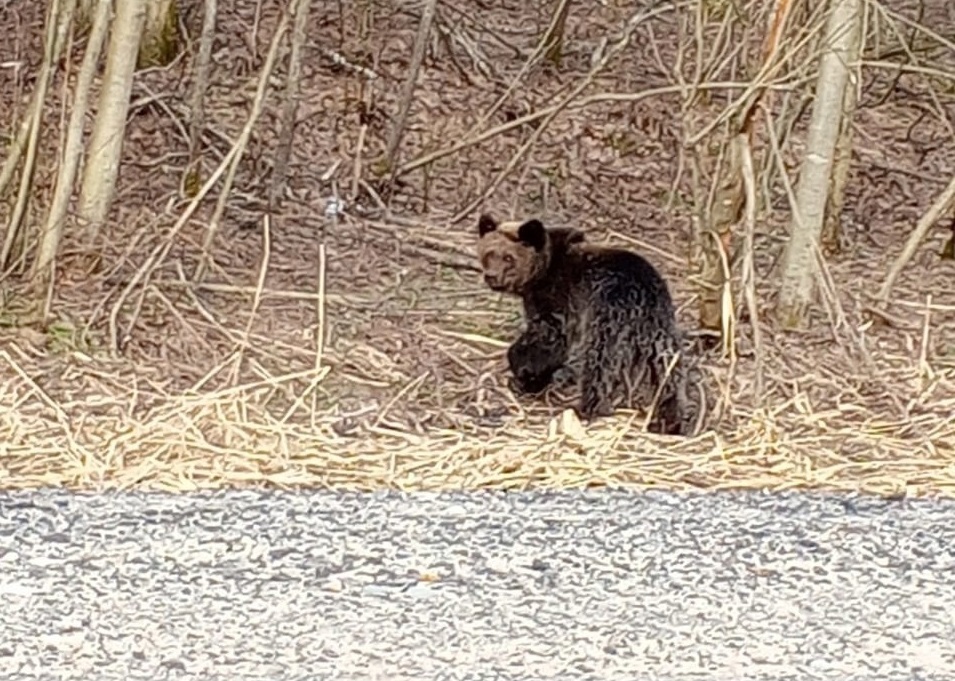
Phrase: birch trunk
(106, 142)
(73, 148)
(799, 267)
(832, 228)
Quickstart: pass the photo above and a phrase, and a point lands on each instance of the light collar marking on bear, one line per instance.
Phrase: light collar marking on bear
(509, 263)
(510, 228)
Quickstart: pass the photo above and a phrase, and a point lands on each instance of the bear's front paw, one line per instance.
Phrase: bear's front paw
(528, 383)
(592, 407)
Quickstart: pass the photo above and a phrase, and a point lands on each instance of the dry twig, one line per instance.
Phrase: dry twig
(635, 20)
(943, 203)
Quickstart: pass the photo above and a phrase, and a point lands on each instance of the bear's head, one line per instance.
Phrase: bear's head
(514, 255)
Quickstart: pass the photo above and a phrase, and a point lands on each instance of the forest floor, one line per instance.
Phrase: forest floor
(163, 383)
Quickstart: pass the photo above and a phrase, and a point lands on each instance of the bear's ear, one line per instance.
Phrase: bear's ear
(533, 234)
(567, 236)
(486, 224)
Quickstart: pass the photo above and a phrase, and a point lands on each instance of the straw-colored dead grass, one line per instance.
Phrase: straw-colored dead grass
(225, 439)
(375, 414)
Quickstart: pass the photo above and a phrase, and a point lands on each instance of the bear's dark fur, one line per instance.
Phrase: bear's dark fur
(606, 314)
(539, 352)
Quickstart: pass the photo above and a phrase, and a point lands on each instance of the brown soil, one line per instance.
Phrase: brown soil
(214, 384)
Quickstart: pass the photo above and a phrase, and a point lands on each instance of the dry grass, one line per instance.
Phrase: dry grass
(407, 388)
(116, 427)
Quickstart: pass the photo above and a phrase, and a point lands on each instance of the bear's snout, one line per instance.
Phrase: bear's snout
(492, 281)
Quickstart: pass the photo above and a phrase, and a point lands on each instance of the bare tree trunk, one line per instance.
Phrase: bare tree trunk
(799, 267)
(832, 228)
(842, 163)
(420, 45)
(197, 105)
(290, 106)
(28, 136)
(73, 148)
(106, 142)
(160, 39)
(554, 38)
(85, 11)
(745, 156)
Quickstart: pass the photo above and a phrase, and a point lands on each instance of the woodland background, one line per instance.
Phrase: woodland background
(237, 237)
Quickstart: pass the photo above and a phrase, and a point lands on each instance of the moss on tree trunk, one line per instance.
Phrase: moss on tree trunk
(160, 43)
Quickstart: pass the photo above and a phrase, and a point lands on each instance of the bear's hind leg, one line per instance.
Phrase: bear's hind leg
(598, 375)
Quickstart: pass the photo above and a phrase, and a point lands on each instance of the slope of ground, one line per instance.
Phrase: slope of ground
(156, 381)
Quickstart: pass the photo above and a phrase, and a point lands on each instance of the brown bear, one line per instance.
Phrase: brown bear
(604, 314)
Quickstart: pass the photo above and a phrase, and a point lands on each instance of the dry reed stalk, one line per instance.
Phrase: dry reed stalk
(633, 22)
(56, 32)
(942, 203)
(749, 269)
(228, 164)
(203, 439)
(531, 60)
(582, 103)
(257, 299)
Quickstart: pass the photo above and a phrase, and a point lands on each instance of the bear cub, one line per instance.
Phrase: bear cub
(603, 314)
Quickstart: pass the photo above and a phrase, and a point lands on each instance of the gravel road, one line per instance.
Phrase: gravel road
(598, 585)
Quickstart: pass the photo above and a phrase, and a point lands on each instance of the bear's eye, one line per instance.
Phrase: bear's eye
(508, 259)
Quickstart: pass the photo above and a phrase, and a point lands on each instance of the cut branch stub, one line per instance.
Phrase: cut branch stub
(726, 211)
